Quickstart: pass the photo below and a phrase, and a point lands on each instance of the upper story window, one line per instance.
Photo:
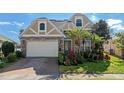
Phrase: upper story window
(78, 22)
(42, 26)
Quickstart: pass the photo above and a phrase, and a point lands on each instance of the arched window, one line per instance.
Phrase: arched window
(42, 26)
(78, 22)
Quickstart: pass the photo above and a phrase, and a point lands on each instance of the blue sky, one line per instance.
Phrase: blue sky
(11, 23)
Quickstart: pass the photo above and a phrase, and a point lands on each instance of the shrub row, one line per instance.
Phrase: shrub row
(12, 57)
(73, 58)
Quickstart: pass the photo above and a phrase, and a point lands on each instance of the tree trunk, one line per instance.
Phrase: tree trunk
(73, 43)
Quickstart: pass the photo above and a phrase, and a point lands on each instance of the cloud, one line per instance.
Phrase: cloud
(12, 23)
(118, 27)
(18, 24)
(5, 23)
(14, 32)
(115, 24)
(112, 22)
(94, 18)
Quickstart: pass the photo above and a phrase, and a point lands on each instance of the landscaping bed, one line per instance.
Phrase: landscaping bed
(10, 59)
(113, 66)
(9, 55)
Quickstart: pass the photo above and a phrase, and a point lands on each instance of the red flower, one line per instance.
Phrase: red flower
(71, 55)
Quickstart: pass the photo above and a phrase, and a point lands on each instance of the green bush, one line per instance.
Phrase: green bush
(2, 65)
(61, 58)
(11, 57)
(85, 54)
(19, 54)
(0, 58)
(4, 59)
(7, 48)
(79, 58)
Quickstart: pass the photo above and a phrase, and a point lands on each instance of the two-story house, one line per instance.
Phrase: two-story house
(45, 37)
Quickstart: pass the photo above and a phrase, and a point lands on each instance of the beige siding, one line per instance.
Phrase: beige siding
(49, 27)
(34, 26)
(54, 32)
(85, 21)
(42, 33)
(28, 32)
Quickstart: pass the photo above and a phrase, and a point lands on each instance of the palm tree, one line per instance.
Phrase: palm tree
(72, 34)
(77, 36)
(96, 42)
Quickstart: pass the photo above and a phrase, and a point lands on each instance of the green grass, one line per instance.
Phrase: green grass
(4, 65)
(114, 66)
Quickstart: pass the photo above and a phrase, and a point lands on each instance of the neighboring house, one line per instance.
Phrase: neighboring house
(45, 37)
(3, 38)
(112, 48)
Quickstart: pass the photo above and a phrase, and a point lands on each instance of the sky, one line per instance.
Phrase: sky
(12, 23)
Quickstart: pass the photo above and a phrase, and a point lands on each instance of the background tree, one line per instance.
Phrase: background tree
(7, 48)
(102, 29)
(119, 41)
(102, 34)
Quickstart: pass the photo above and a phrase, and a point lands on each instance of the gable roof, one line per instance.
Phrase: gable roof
(61, 25)
(68, 24)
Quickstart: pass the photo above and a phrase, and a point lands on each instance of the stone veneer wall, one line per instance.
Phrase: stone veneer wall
(23, 46)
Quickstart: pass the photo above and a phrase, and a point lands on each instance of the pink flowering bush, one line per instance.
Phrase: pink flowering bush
(71, 58)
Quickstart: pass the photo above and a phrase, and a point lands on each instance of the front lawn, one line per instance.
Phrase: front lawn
(115, 65)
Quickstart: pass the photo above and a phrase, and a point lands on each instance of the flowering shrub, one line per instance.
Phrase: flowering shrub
(71, 58)
(71, 55)
(67, 61)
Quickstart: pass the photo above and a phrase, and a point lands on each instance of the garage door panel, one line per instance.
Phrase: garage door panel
(42, 49)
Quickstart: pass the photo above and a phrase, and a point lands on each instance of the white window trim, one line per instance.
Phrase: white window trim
(39, 22)
(85, 44)
(67, 41)
(79, 17)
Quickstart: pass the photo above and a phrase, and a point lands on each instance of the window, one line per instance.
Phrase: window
(87, 45)
(42, 26)
(78, 22)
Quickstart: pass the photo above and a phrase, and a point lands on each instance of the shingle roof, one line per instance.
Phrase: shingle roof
(58, 24)
(63, 24)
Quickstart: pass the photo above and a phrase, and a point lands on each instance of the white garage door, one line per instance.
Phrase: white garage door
(42, 48)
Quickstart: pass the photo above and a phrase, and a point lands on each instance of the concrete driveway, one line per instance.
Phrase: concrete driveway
(31, 69)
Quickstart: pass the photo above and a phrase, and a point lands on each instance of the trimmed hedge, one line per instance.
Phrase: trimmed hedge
(19, 54)
(11, 57)
(7, 48)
